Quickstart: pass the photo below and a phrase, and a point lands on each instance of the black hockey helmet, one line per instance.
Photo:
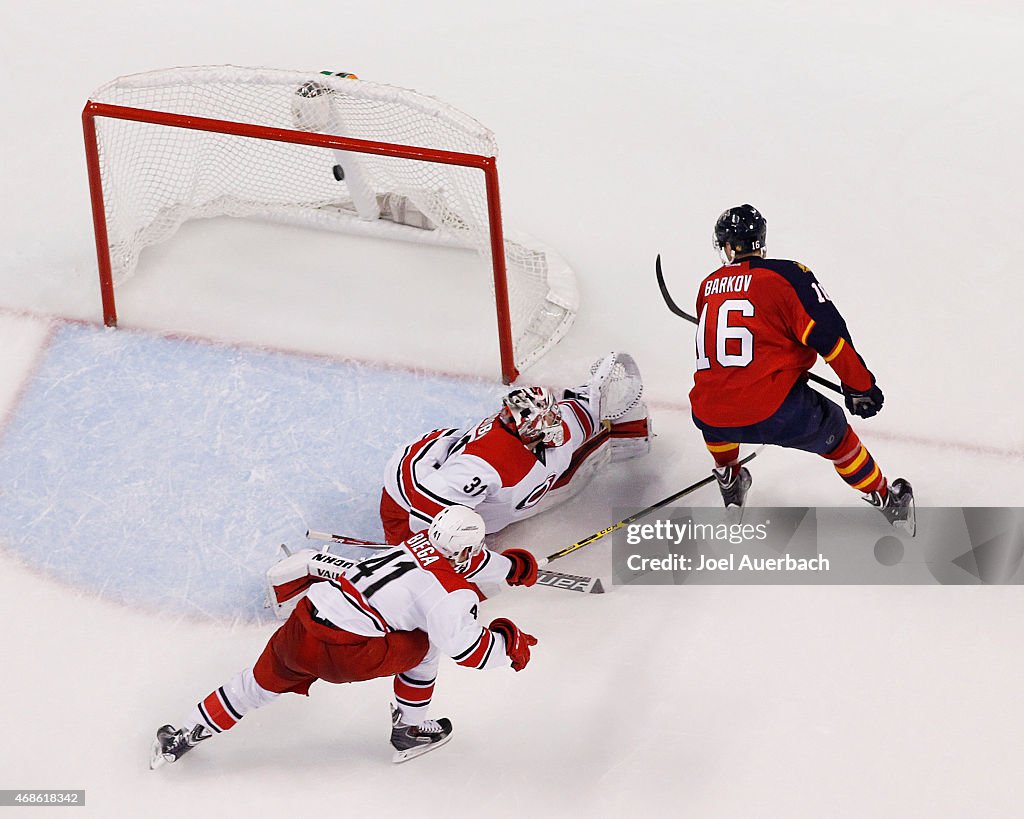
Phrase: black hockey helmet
(743, 228)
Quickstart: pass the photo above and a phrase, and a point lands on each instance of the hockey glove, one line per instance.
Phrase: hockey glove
(863, 404)
(524, 568)
(517, 643)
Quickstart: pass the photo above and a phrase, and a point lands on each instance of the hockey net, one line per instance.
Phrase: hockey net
(320, 150)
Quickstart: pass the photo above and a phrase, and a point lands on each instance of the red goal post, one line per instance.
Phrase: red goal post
(135, 193)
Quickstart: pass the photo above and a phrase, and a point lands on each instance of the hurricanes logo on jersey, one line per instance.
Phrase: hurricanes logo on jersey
(537, 493)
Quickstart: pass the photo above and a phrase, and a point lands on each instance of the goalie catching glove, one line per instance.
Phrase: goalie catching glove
(517, 642)
(616, 388)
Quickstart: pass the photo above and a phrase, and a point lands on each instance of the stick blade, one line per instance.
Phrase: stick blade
(570, 582)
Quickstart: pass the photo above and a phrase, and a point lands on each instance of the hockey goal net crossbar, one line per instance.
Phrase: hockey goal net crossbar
(494, 244)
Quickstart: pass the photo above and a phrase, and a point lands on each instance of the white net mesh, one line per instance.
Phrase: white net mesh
(157, 177)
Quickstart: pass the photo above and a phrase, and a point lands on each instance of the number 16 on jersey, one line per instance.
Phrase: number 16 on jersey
(734, 345)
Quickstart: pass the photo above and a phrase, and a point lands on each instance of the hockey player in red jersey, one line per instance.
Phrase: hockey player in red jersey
(394, 613)
(533, 454)
(762, 324)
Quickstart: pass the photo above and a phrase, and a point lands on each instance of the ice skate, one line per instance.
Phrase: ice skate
(734, 483)
(410, 741)
(898, 505)
(171, 744)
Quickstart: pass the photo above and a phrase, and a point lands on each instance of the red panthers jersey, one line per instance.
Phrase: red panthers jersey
(763, 322)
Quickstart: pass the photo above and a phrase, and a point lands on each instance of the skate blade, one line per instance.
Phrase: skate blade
(156, 757)
(734, 514)
(910, 524)
(419, 750)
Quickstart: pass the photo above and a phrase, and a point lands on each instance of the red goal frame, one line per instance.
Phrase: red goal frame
(487, 164)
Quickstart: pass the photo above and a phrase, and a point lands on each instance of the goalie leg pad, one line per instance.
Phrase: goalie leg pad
(631, 439)
(289, 579)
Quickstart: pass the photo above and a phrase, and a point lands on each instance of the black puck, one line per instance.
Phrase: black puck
(339, 172)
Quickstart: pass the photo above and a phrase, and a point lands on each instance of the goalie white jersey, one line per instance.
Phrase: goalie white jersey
(488, 468)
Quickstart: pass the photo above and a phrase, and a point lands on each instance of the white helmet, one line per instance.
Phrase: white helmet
(457, 532)
(535, 415)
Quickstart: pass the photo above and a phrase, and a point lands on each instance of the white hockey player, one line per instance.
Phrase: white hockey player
(533, 454)
(394, 613)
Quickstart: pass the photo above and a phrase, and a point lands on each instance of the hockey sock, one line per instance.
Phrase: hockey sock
(413, 697)
(222, 709)
(724, 454)
(855, 465)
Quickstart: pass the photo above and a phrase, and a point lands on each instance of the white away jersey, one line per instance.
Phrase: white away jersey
(412, 586)
(487, 468)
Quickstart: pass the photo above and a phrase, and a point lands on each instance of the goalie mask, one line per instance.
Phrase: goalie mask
(457, 532)
(535, 416)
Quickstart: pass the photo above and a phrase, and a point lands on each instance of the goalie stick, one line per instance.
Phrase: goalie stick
(556, 580)
(693, 487)
(679, 311)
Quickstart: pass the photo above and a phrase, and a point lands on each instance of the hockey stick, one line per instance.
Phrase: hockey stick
(679, 311)
(693, 487)
(557, 580)
(312, 534)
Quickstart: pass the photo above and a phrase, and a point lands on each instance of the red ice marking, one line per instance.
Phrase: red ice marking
(899, 437)
(235, 344)
(678, 406)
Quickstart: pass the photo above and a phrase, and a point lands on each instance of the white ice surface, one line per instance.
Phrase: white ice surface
(880, 139)
(22, 339)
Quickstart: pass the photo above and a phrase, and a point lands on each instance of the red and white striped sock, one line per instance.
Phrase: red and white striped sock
(412, 697)
(855, 465)
(222, 709)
